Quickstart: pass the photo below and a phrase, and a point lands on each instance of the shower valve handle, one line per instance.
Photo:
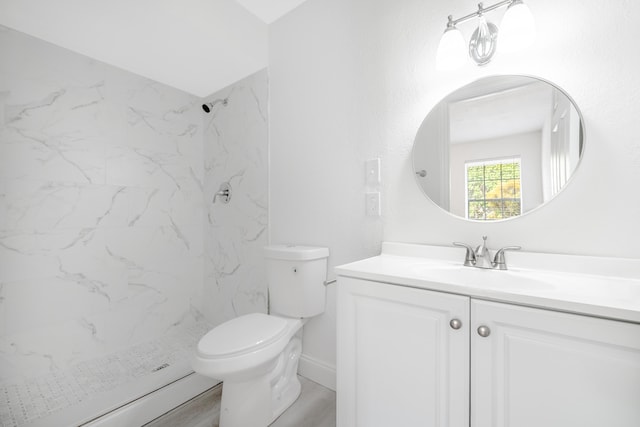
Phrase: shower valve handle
(224, 193)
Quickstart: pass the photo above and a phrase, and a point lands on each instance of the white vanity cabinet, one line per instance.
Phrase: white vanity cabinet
(401, 363)
(545, 368)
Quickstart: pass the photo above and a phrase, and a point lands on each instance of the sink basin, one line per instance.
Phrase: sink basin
(449, 272)
(605, 287)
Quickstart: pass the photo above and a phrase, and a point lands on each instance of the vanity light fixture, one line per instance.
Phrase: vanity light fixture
(517, 31)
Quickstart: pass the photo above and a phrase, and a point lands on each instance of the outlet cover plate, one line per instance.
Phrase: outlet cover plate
(373, 204)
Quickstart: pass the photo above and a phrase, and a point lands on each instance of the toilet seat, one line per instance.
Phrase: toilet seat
(268, 334)
(241, 335)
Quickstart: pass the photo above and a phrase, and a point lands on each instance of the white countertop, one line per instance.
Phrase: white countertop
(596, 286)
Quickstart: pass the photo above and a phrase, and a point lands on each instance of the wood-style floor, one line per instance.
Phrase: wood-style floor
(316, 407)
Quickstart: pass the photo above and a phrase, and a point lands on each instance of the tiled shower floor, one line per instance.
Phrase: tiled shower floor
(93, 387)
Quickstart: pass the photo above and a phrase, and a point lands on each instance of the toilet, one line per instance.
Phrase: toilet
(256, 355)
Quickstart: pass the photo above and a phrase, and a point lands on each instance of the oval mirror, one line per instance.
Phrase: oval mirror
(499, 147)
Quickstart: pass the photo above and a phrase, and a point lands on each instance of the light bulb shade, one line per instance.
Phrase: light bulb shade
(517, 30)
(452, 50)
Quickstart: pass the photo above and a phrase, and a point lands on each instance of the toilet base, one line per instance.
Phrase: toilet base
(246, 403)
(259, 401)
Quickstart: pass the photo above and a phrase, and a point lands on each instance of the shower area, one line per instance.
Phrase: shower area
(113, 259)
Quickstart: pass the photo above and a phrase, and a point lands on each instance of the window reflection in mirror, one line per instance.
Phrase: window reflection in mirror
(493, 189)
(476, 140)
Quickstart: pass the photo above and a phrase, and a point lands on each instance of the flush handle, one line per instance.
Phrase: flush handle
(455, 324)
(484, 331)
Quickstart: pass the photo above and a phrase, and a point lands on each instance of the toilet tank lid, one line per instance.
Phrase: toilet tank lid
(295, 252)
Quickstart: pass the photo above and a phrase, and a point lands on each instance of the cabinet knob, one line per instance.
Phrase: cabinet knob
(455, 324)
(484, 331)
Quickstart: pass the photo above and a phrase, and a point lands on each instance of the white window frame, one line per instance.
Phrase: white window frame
(488, 162)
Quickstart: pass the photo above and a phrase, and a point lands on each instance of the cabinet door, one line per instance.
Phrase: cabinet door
(544, 368)
(399, 361)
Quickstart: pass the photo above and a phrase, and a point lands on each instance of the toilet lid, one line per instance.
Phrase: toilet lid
(237, 335)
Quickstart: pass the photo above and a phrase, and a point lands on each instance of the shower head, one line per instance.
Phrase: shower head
(209, 105)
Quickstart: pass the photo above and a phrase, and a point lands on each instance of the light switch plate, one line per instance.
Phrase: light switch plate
(372, 168)
(373, 204)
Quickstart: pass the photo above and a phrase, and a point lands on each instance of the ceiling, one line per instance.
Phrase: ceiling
(493, 111)
(198, 46)
(270, 10)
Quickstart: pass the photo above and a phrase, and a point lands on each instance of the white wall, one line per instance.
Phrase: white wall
(353, 79)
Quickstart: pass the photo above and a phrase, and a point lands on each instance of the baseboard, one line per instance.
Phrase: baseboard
(155, 404)
(318, 371)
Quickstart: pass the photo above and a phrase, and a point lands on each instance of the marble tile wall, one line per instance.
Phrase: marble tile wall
(108, 237)
(101, 183)
(236, 143)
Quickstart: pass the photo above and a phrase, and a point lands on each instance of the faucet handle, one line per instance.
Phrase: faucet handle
(499, 260)
(470, 257)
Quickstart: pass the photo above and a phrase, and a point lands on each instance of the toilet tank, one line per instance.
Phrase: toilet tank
(296, 276)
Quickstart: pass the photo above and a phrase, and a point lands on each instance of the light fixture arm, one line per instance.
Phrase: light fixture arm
(481, 10)
(518, 31)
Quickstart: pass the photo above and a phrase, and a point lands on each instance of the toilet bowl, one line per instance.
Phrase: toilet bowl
(256, 355)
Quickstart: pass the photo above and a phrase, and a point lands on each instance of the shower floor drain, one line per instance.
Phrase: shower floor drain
(164, 365)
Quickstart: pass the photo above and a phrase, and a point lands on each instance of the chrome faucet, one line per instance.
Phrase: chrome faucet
(481, 256)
